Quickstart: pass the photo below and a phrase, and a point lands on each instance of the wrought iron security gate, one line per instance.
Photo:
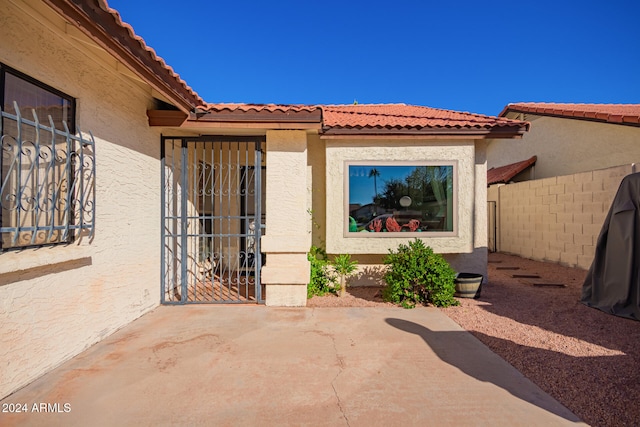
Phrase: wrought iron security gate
(212, 219)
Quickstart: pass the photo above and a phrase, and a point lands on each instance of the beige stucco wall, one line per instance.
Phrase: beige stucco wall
(461, 153)
(57, 301)
(568, 146)
(465, 249)
(288, 223)
(556, 219)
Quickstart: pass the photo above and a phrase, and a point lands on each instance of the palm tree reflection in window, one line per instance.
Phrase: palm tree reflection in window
(375, 173)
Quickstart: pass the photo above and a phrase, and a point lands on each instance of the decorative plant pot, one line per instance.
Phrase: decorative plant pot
(468, 285)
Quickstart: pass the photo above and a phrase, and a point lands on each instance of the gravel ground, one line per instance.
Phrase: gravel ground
(586, 359)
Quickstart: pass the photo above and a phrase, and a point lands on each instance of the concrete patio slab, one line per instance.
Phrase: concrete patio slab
(255, 365)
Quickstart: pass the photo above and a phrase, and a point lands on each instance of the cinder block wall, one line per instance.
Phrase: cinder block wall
(557, 219)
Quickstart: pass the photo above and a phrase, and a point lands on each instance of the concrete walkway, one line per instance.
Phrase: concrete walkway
(260, 366)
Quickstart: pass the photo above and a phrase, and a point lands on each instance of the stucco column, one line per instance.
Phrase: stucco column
(287, 238)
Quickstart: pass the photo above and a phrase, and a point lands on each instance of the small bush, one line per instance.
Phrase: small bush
(322, 280)
(417, 275)
(344, 267)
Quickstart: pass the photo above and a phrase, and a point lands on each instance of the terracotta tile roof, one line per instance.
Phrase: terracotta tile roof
(628, 114)
(504, 174)
(368, 119)
(403, 119)
(104, 25)
(257, 113)
(231, 107)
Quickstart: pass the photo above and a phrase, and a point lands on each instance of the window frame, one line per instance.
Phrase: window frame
(4, 69)
(25, 118)
(402, 234)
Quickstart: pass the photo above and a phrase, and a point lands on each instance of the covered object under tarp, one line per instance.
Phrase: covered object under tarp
(613, 282)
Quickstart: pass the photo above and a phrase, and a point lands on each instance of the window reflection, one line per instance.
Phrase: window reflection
(400, 198)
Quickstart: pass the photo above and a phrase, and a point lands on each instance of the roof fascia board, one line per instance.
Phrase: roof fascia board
(270, 125)
(262, 117)
(446, 133)
(423, 137)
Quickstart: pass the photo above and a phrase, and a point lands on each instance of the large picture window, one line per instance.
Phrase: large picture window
(400, 198)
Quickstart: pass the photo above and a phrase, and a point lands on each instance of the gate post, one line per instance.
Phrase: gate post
(287, 236)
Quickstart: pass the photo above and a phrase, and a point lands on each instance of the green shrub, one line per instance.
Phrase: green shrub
(417, 275)
(322, 280)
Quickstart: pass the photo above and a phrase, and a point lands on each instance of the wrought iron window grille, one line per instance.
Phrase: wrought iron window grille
(47, 193)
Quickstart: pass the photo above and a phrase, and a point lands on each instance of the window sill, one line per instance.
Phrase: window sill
(27, 259)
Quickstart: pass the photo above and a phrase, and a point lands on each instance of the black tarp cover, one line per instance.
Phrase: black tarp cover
(613, 282)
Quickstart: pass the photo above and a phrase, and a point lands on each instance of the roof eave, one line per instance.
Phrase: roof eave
(101, 27)
(506, 175)
(492, 133)
(505, 111)
(263, 116)
(587, 115)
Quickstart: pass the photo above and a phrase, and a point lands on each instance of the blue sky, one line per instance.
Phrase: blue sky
(474, 56)
(361, 186)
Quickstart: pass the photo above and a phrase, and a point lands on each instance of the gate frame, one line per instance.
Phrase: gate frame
(259, 141)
